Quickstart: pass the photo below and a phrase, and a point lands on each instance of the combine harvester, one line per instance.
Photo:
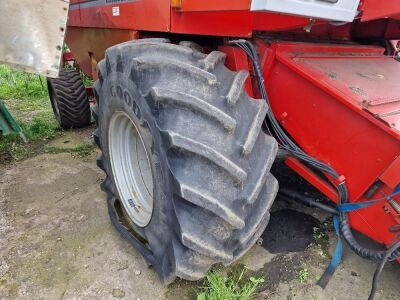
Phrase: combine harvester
(195, 98)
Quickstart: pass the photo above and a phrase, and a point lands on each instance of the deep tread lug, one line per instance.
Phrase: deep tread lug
(196, 104)
(236, 88)
(204, 151)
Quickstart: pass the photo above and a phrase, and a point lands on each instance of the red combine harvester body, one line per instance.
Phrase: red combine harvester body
(333, 86)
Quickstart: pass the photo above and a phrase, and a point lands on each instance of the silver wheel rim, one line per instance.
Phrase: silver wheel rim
(131, 168)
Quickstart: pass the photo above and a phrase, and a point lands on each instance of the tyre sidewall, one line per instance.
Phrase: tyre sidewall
(120, 94)
(53, 101)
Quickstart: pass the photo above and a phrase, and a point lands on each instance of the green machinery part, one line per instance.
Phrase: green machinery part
(8, 124)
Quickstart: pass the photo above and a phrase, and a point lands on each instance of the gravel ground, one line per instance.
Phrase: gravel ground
(56, 242)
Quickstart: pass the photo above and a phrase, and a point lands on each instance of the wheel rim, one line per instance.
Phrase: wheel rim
(131, 168)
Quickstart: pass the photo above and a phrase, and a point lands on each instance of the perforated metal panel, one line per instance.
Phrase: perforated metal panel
(32, 34)
(335, 10)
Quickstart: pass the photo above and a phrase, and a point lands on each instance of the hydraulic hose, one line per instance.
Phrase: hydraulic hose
(285, 142)
(311, 202)
(378, 271)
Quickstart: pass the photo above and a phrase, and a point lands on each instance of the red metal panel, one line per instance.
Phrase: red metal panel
(391, 176)
(376, 220)
(233, 23)
(321, 115)
(373, 221)
(317, 92)
(151, 15)
(362, 81)
(211, 5)
(376, 29)
(74, 17)
(376, 9)
(264, 21)
(89, 44)
(68, 56)
(217, 18)
(392, 29)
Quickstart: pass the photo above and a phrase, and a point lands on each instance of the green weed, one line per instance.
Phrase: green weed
(303, 274)
(221, 287)
(321, 241)
(87, 81)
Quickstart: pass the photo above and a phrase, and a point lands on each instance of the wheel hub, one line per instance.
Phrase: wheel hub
(131, 168)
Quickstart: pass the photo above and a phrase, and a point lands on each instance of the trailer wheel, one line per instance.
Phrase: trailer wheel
(184, 154)
(69, 99)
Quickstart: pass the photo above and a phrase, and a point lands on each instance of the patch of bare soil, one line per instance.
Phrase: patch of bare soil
(56, 240)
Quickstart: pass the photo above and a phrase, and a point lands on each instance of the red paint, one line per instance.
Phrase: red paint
(220, 18)
(391, 176)
(230, 23)
(68, 57)
(90, 44)
(330, 95)
(220, 5)
(376, 9)
(140, 15)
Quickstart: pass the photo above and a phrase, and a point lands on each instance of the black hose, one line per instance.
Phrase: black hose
(304, 199)
(289, 145)
(378, 271)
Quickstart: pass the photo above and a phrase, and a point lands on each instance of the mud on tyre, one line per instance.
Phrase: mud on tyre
(201, 136)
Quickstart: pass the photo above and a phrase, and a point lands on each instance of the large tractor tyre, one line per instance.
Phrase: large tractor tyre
(184, 153)
(69, 99)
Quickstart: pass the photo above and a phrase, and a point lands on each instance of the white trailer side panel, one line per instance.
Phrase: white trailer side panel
(32, 34)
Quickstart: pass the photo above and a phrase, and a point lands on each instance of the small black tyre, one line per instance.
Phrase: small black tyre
(209, 159)
(69, 99)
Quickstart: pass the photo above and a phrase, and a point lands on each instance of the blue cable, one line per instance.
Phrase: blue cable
(349, 207)
(337, 256)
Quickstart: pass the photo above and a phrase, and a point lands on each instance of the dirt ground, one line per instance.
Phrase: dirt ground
(56, 242)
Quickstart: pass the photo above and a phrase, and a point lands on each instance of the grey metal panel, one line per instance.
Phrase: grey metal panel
(32, 34)
(335, 10)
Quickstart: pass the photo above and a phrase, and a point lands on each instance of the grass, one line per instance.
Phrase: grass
(81, 150)
(38, 131)
(26, 97)
(221, 287)
(21, 85)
